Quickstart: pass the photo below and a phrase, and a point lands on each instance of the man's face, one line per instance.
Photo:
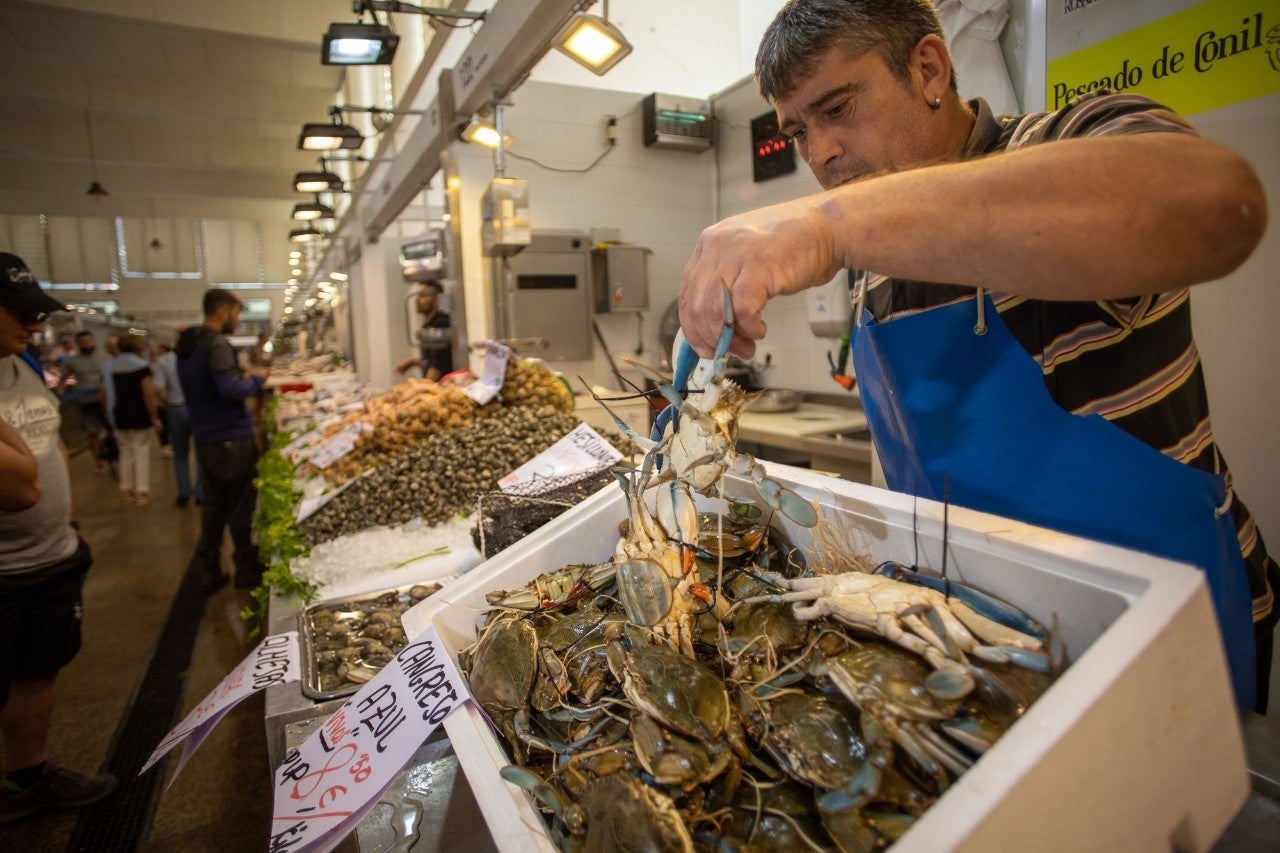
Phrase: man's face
(852, 118)
(426, 301)
(86, 344)
(16, 329)
(230, 318)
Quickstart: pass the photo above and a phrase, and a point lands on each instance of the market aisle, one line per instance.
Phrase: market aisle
(222, 799)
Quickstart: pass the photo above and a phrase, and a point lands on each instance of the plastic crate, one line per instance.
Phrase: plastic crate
(1136, 746)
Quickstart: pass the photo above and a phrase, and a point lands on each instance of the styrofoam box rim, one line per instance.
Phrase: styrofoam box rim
(1142, 594)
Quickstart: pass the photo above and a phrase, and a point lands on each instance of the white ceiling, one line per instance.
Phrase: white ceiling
(194, 105)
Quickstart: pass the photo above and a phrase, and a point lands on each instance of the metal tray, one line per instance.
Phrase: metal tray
(318, 635)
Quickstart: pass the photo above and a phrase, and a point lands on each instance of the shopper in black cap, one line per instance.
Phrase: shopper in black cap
(43, 562)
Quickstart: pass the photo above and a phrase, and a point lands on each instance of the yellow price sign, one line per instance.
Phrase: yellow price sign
(1217, 53)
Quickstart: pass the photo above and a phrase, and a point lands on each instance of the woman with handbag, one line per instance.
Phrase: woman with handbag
(132, 405)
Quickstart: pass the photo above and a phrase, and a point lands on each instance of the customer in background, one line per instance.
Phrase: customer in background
(43, 563)
(169, 394)
(435, 338)
(85, 368)
(955, 209)
(215, 390)
(132, 401)
(166, 450)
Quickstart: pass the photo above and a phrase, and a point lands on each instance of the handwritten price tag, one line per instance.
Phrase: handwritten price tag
(489, 384)
(274, 661)
(582, 451)
(324, 787)
(299, 445)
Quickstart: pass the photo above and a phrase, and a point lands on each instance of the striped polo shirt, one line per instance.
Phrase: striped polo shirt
(1133, 361)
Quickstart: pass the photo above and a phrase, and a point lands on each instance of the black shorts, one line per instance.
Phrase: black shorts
(40, 615)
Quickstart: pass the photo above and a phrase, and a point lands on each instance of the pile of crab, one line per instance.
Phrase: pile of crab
(714, 687)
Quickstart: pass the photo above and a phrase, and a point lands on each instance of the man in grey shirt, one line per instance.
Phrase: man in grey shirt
(86, 367)
(43, 562)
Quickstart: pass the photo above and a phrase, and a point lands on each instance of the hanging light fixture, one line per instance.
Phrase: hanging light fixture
(96, 189)
(318, 136)
(310, 211)
(358, 44)
(306, 235)
(317, 182)
(592, 42)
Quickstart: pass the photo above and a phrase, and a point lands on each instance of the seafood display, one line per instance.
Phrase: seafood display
(418, 409)
(347, 642)
(442, 474)
(714, 686)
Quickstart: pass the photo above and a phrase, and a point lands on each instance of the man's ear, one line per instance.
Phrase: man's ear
(932, 62)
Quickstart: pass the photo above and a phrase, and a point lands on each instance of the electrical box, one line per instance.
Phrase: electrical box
(504, 215)
(828, 306)
(620, 278)
(544, 293)
(670, 121)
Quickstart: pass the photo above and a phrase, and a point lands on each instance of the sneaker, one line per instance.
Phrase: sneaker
(182, 500)
(142, 498)
(58, 788)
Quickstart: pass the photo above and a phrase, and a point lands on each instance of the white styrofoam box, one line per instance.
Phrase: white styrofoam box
(1136, 746)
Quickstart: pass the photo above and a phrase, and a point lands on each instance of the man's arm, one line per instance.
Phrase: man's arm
(19, 474)
(1080, 219)
(231, 385)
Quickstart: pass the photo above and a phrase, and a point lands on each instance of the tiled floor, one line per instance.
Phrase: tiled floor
(222, 799)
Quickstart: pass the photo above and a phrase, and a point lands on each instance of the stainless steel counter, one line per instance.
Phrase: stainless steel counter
(827, 434)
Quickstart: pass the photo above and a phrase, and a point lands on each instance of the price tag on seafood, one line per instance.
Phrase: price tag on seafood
(274, 661)
(583, 451)
(335, 447)
(308, 507)
(489, 384)
(296, 448)
(324, 787)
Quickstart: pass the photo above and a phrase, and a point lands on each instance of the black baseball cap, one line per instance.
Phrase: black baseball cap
(20, 291)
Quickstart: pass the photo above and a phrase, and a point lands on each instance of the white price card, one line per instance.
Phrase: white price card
(489, 384)
(308, 507)
(326, 786)
(299, 445)
(274, 661)
(582, 451)
(335, 447)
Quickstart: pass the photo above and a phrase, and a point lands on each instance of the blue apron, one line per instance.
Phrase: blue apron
(946, 400)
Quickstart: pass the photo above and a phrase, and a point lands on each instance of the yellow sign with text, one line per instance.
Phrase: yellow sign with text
(1217, 53)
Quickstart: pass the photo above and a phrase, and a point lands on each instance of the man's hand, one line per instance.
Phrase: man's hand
(403, 366)
(758, 255)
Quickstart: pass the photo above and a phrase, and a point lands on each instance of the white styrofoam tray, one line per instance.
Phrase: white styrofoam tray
(1136, 746)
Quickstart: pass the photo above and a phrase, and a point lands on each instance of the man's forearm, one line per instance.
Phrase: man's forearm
(1078, 219)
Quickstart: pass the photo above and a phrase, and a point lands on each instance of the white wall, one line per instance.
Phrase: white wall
(656, 198)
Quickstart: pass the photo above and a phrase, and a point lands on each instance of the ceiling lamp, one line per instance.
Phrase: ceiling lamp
(318, 136)
(306, 235)
(358, 44)
(312, 210)
(592, 42)
(317, 182)
(96, 189)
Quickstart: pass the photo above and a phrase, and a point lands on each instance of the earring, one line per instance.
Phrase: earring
(937, 104)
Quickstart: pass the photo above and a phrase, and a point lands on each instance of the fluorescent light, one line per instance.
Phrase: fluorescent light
(358, 44)
(592, 42)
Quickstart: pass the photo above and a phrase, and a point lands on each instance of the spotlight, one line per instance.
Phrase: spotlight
(358, 44)
(319, 136)
(317, 182)
(306, 235)
(312, 210)
(592, 42)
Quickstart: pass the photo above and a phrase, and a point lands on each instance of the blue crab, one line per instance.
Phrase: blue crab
(698, 431)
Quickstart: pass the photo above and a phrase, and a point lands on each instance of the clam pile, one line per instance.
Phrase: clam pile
(441, 475)
(347, 642)
(417, 409)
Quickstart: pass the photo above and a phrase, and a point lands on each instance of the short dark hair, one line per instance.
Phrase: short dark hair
(434, 286)
(83, 332)
(804, 30)
(131, 343)
(216, 297)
